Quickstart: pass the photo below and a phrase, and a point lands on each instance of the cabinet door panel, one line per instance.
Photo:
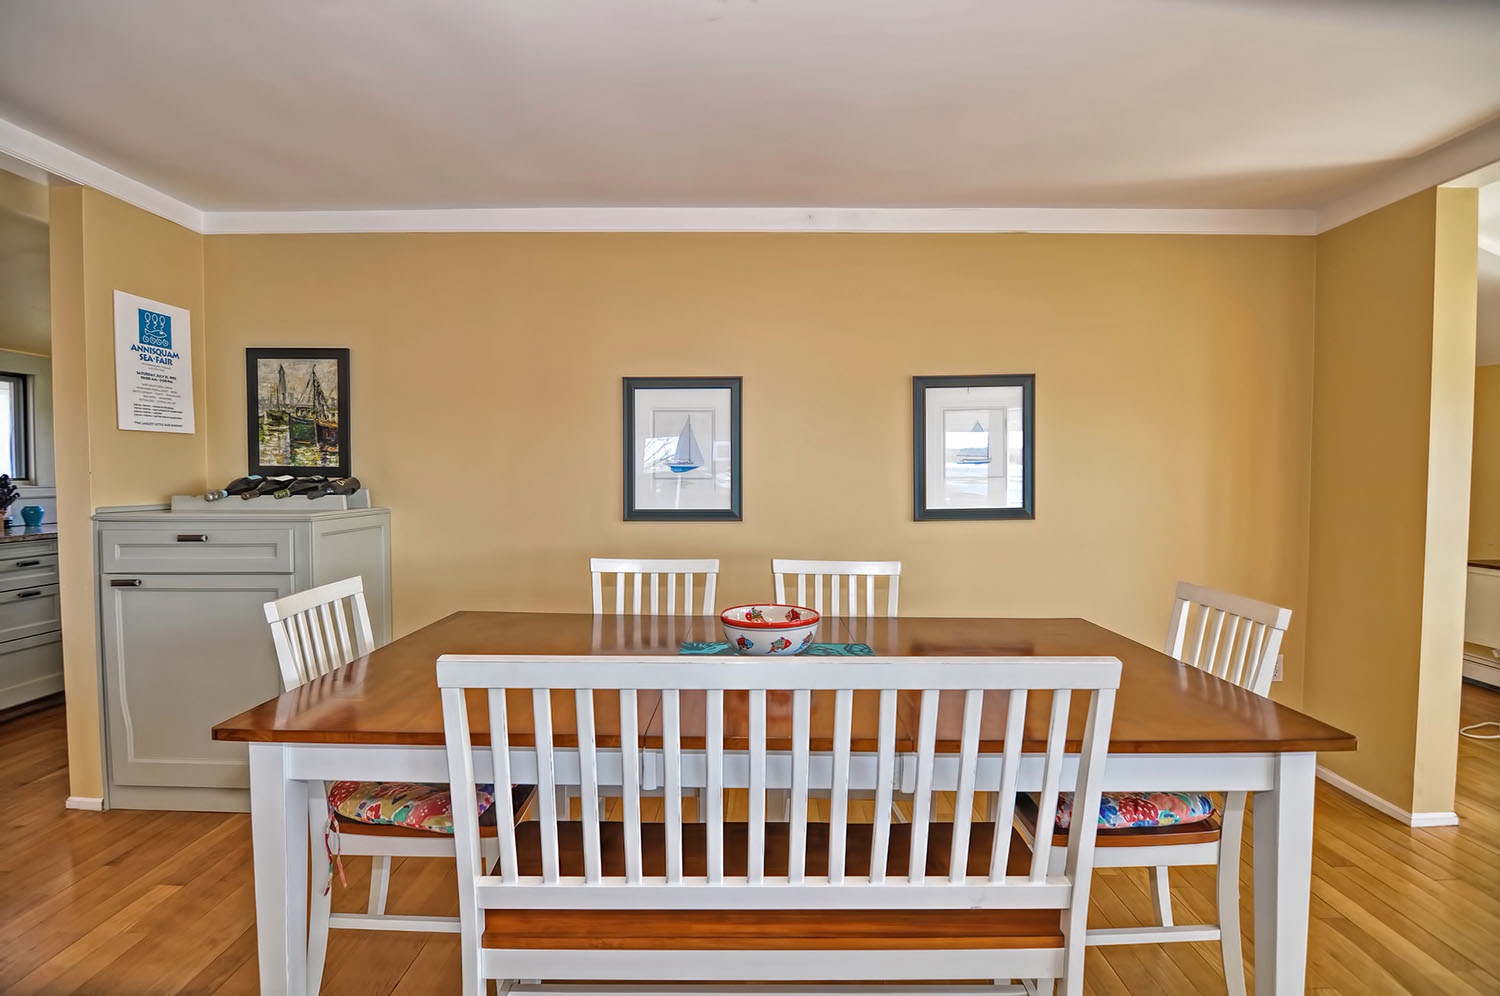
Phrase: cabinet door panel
(181, 653)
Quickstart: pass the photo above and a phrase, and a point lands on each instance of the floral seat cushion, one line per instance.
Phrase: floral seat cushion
(1121, 810)
(406, 804)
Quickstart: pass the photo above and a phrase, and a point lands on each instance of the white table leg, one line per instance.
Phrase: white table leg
(1283, 875)
(278, 834)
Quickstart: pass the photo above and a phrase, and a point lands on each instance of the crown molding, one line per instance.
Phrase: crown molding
(45, 154)
(769, 219)
(1460, 159)
(1441, 165)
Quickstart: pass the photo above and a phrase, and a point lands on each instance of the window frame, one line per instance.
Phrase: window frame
(23, 427)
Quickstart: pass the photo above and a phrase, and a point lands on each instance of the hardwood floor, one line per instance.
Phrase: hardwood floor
(140, 902)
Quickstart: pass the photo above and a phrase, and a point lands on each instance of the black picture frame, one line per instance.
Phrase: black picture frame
(637, 508)
(335, 442)
(921, 511)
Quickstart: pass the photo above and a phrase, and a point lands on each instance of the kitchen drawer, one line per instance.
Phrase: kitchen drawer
(199, 548)
(28, 569)
(30, 669)
(28, 612)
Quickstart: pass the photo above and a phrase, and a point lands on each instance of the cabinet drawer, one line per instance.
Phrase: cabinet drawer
(28, 612)
(196, 549)
(18, 570)
(30, 669)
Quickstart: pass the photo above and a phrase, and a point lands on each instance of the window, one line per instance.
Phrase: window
(15, 434)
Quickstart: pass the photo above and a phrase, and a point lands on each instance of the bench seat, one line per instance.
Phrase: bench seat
(746, 930)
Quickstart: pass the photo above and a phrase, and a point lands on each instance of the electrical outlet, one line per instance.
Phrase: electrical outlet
(1279, 671)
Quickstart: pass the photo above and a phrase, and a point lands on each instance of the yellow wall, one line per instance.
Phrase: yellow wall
(1173, 404)
(100, 245)
(1393, 370)
(1484, 508)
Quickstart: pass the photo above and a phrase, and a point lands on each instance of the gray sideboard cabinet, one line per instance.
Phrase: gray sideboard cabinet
(184, 642)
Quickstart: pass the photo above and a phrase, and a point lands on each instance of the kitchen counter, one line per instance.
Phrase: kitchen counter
(1492, 565)
(25, 534)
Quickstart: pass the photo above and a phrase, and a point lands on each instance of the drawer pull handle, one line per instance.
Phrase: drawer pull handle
(28, 594)
(125, 583)
(28, 563)
(192, 537)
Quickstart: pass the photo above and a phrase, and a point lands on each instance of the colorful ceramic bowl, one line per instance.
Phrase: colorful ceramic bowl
(761, 630)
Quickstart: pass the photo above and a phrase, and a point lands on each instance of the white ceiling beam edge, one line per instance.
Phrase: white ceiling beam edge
(45, 154)
(770, 219)
(1468, 152)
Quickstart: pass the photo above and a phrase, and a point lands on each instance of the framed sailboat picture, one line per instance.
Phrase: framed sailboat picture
(682, 448)
(297, 411)
(972, 440)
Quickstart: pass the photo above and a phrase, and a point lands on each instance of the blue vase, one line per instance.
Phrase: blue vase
(32, 514)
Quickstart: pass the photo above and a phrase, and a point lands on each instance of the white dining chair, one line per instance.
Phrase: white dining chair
(653, 585)
(648, 578)
(843, 576)
(756, 901)
(316, 633)
(1237, 639)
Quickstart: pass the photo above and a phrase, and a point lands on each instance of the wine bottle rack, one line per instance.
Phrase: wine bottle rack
(266, 505)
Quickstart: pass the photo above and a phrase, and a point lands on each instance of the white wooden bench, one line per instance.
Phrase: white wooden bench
(760, 901)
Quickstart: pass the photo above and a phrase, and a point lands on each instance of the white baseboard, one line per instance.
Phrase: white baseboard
(1395, 812)
(92, 803)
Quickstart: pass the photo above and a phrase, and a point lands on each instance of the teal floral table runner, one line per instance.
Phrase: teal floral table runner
(719, 649)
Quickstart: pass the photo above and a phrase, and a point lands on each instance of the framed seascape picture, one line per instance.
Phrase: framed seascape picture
(682, 448)
(297, 411)
(974, 447)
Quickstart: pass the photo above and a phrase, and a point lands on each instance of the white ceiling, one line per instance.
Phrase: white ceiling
(343, 105)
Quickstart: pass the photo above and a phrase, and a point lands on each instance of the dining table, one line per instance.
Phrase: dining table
(1175, 727)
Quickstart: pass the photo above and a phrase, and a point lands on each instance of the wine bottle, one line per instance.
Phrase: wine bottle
(337, 486)
(267, 486)
(237, 486)
(300, 486)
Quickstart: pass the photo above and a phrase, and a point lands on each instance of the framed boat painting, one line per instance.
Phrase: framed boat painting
(297, 411)
(682, 448)
(974, 447)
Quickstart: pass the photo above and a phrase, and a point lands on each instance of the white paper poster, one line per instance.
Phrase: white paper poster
(153, 365)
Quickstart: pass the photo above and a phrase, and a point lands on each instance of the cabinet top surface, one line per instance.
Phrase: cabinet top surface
(28, 534)
(157, 516)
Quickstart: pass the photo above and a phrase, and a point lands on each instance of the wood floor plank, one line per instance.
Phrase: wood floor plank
(134, 902)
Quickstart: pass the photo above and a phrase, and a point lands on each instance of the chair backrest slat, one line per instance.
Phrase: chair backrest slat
(318, 631)
(1051, 782)
(1010, 774)
(647, 578)
(505, 817)
(843, 584)
(759, 723)
(1252, 632)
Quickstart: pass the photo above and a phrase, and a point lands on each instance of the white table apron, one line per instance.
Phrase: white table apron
(1283, 785)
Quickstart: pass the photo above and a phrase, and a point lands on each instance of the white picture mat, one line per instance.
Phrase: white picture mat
(710, 486)
(153, 381)
(954, 477)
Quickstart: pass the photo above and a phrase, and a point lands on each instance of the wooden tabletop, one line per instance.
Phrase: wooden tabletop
(391, 696)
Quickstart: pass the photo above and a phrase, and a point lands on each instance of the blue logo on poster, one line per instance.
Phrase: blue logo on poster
(156, 330)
